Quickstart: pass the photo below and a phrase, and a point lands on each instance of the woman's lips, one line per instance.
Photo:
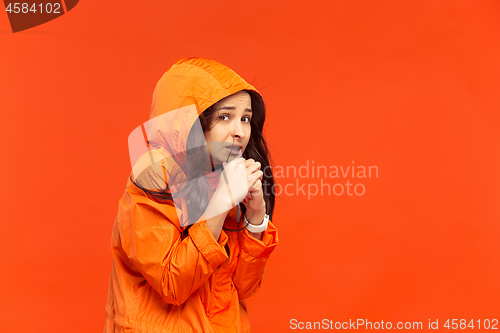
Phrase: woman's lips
(233, 150)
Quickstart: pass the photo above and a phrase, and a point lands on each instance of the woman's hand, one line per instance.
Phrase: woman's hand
(240, 181)
(232, 188)
(254, 200)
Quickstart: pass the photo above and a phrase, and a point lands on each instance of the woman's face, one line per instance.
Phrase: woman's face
(231, 123)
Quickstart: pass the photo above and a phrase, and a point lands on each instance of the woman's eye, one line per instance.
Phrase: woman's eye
(246, 119)
(224, 117)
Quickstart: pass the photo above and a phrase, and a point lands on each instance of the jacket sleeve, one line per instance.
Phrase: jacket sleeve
(175, 268)
(249, 272)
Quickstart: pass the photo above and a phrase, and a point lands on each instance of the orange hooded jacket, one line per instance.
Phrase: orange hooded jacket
(159, 281)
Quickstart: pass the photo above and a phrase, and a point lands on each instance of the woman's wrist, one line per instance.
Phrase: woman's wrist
(256, 217)
(257, 228)
(218, 204)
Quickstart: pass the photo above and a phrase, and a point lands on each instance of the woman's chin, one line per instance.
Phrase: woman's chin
(225, 158)
(232, 157)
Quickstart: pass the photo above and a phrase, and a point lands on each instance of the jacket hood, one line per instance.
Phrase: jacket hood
(158, 147)
(187, 89)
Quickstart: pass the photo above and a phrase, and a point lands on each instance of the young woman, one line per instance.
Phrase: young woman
(193, 230)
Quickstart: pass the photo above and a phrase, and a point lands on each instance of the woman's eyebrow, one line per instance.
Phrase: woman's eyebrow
(232, 108)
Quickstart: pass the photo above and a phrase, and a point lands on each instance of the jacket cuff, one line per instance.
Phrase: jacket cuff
(212, 250)
(260, 248)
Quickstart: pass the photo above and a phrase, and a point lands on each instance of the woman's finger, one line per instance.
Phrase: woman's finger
(253, 166)
(249, 162)
(253, 178)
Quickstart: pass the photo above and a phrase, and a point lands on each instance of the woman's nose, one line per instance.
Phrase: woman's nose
(238, 131)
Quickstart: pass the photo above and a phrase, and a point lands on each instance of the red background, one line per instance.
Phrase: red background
(409, 86)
